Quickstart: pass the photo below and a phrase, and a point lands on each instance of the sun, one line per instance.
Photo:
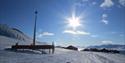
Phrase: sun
(74, 21)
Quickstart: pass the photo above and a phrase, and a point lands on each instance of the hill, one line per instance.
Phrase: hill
(9, 36)
(109, 46)
(7, 31)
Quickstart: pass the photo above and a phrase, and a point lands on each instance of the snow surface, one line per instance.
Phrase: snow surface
(60, 55)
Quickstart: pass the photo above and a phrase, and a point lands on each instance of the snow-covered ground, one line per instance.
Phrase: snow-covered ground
(60, 56)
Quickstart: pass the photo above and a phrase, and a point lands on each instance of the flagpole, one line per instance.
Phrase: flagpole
(34, 36)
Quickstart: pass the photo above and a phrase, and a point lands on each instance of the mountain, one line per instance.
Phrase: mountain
(109, 46)
(9, 36)
(7, 31)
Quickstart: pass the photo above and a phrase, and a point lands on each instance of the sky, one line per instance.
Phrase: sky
(68, 22)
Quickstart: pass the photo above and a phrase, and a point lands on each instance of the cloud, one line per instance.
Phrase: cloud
(82, 3)
(107, 4)
(122, 2)
(104, 19)
(121, 35)
(104, 15)
(94, 35)
(45, 34)
(107, 42)
(76, 32)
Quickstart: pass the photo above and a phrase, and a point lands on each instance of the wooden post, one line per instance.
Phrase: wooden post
(53, 49)
(49, 51)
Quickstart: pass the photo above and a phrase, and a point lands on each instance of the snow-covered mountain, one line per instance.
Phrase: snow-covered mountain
(7, 31)
(109, 46)
(9, 36)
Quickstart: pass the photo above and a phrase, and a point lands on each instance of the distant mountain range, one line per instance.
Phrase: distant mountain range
(109, 46)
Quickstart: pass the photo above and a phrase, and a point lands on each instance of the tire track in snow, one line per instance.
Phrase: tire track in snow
(102, 59)
(92, 58)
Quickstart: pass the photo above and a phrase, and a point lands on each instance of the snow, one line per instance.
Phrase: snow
(60, 55)
(6, 42)
(5, 30)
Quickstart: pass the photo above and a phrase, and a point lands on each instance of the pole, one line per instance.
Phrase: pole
(53, 49)
(34, 36)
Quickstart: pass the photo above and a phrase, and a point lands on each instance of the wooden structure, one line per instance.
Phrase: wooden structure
(34, 46)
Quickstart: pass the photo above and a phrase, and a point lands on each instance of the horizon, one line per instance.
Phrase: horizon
(68, 22)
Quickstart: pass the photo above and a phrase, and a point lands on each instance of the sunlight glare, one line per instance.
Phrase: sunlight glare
(74, 21)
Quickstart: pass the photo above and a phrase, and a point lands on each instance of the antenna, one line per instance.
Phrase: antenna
(34, 36)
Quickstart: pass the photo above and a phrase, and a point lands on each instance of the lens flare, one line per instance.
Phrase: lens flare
(74, 21)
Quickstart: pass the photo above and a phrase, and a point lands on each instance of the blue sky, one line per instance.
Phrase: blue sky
(68, 22)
